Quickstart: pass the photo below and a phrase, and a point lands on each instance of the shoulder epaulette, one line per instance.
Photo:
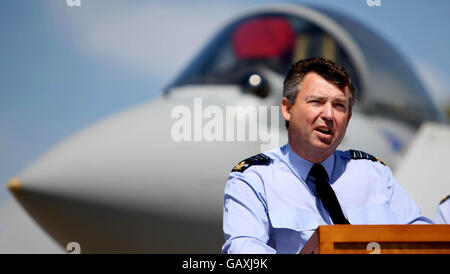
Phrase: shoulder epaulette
(358, 154)
(444, 199)
(259, 159)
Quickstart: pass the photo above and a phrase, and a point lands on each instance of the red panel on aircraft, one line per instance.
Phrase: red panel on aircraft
(265, 37)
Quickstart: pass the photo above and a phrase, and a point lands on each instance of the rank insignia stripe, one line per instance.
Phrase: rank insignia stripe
(259, 159)
(358, 155)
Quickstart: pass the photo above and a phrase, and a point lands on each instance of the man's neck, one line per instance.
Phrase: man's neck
(315, 157)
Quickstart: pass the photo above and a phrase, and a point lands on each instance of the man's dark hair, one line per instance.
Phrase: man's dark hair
(327, 69)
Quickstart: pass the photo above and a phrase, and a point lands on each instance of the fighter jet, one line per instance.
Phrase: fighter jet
(151, 179)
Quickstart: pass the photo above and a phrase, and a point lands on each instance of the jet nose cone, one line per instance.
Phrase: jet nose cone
(125, 185)
(14, 185)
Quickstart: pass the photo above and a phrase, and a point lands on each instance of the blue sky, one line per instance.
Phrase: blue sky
(63, 68)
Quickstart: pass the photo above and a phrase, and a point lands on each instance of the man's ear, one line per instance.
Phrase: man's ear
(349, 116)
(286, 109)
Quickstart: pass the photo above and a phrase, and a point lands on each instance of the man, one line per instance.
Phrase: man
(275, 200)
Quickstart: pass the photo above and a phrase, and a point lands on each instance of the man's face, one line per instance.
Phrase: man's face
(318, 119)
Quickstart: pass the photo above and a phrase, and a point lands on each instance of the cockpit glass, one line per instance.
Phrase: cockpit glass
(272, 41)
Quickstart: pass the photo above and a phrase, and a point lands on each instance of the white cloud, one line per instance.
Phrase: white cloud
(147, 37)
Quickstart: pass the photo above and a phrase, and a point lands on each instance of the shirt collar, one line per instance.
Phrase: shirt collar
(302, 166)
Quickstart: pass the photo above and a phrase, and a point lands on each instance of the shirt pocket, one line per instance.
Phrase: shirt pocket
(291, 229)
(298, 220)
(373, 214)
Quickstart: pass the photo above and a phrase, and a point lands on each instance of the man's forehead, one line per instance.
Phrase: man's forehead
(321, 91)
(341, 97)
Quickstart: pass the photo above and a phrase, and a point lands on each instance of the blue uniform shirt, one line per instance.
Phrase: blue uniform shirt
(273, 208)
(443, 212)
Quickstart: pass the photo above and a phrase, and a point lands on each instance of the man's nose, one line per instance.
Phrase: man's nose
(327, 112)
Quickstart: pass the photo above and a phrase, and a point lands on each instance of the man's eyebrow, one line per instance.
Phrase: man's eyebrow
(340, 100)
(317, 97)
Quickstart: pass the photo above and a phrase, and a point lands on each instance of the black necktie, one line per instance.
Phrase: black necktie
(327, 195)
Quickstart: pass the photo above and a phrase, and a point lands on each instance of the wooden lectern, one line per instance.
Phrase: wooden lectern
(381, 239)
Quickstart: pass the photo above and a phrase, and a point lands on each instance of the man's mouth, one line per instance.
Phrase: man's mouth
(326, 131)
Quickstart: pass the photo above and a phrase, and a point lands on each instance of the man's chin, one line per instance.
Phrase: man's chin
(324, 143)
(324, 146)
